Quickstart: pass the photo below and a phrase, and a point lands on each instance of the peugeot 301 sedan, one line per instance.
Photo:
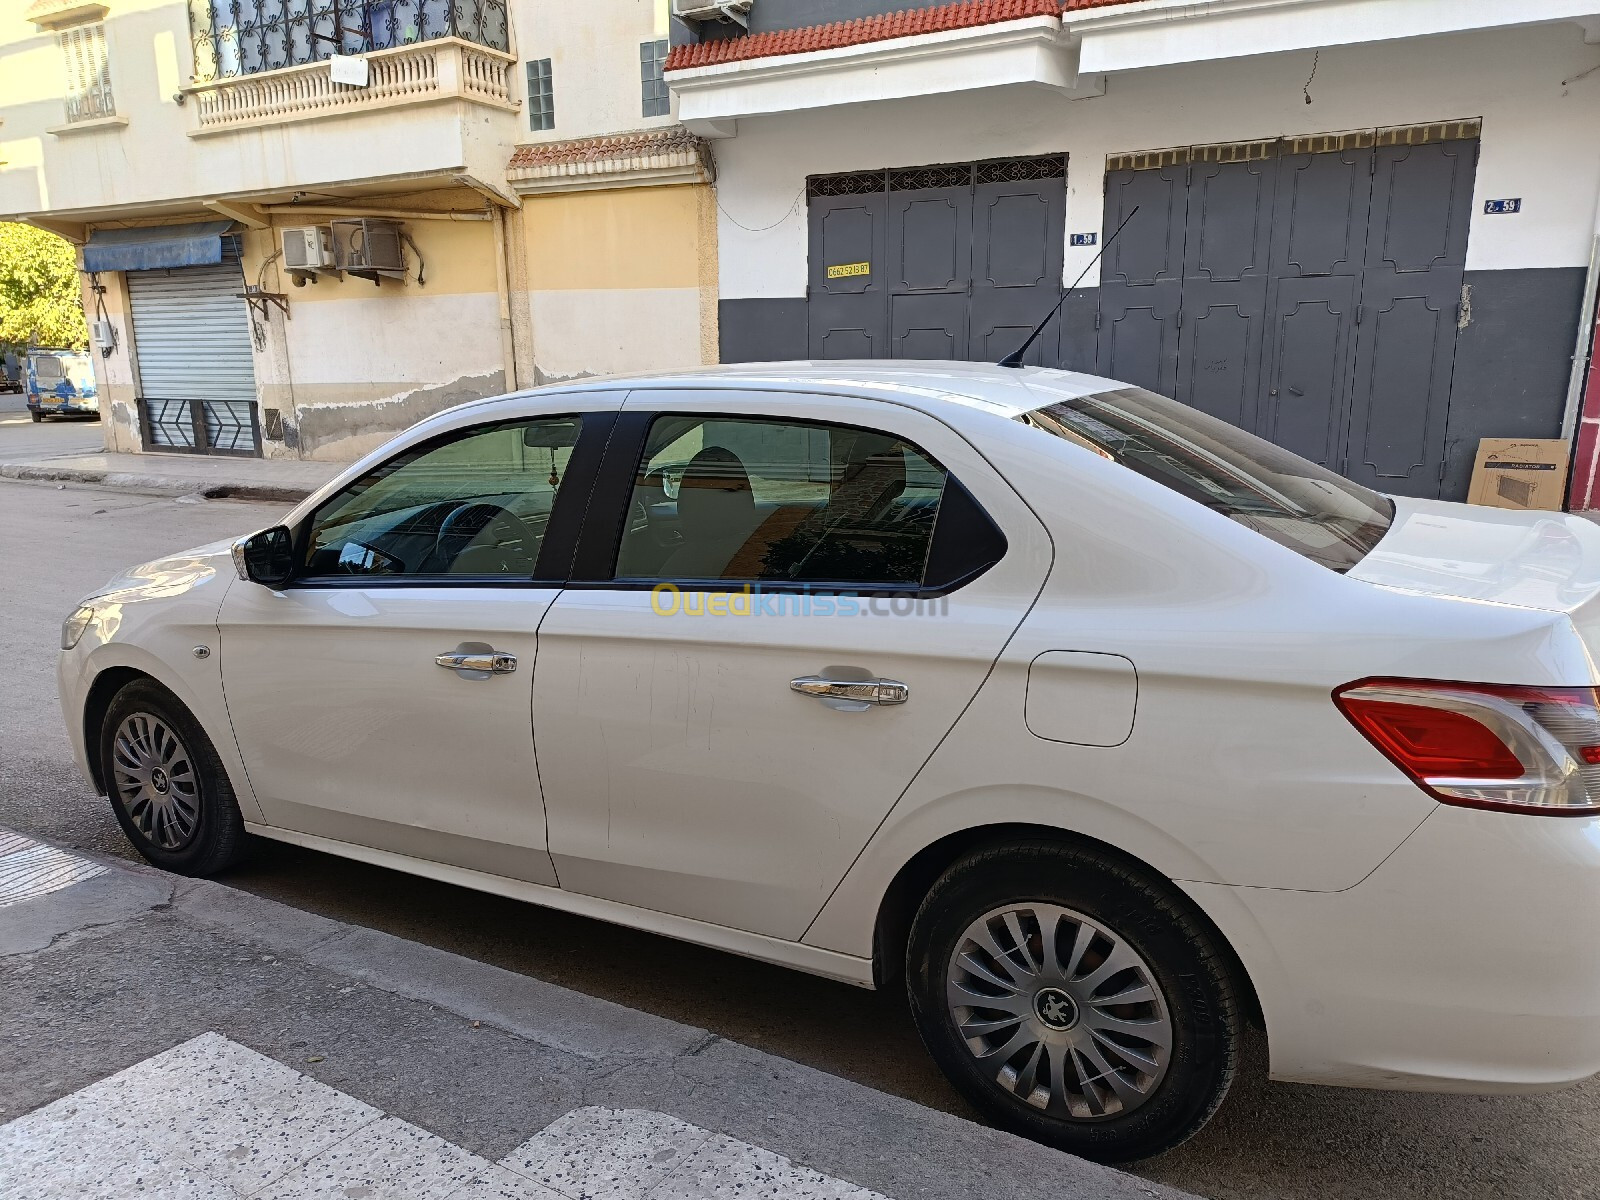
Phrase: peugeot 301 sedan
(1100, 726)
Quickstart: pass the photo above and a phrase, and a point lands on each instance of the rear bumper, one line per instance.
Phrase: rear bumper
(1466, 962)
(65, 407)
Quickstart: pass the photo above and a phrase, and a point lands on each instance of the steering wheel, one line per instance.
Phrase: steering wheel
(504, 552)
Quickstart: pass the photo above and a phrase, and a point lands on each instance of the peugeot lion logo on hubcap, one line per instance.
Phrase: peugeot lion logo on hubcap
(158, 780)
(1055, 1008)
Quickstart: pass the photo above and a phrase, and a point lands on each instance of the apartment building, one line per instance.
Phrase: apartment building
(306, 224)
(1363, 228)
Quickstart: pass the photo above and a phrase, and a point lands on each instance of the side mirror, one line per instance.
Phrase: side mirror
(266, 558)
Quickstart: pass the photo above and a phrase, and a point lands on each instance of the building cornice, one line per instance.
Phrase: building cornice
(651, 157)
(59, 14)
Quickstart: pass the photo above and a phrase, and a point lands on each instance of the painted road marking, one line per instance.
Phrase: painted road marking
(29, 868)
(213, 1120)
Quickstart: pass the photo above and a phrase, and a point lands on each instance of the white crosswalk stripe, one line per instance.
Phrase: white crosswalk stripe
(213, 1120)
(29, 868)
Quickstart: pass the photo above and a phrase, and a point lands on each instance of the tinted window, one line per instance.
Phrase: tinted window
(1278, 494)
(475, 505)
(760, 500)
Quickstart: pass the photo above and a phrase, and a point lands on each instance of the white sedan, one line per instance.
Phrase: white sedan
(1100, 726)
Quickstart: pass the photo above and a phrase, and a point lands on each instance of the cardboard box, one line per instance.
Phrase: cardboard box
(1520, 473)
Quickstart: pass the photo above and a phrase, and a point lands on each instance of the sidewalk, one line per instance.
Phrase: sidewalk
(172, 1037)
(215, 477)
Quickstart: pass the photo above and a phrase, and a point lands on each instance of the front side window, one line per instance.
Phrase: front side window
(476, 505)
(1264, 487)
(780, 502)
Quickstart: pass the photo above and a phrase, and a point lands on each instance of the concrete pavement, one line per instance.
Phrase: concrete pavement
(62, 450)
(181, 1038)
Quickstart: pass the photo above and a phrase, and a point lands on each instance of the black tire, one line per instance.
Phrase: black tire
(37, 416)
(1182, 958)
(217, 839)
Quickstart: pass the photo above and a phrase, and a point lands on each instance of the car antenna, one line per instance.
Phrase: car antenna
(1014, 359)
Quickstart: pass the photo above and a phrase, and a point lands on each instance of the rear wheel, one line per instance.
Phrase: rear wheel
(1073, 1001)
(167, 786)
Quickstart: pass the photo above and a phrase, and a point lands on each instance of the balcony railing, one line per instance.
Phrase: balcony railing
(239, 38)
(443, 69)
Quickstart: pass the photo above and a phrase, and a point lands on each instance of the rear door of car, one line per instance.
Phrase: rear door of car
(690, 762)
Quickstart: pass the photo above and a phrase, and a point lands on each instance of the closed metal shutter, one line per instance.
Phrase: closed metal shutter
(191, 330)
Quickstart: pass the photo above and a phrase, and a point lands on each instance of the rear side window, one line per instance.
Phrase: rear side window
(783, 502)
(1280, 495)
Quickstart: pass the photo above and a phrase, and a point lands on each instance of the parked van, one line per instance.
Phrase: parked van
(61, 383)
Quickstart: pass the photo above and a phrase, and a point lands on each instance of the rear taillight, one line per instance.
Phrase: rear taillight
(1518, 749)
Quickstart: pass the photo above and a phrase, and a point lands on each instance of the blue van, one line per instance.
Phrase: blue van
(61, 383)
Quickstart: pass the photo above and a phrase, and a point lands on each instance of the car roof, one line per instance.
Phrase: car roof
(1000, 390)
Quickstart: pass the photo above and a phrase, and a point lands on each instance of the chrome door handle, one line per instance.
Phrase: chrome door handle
(492, 662)
(855, 691)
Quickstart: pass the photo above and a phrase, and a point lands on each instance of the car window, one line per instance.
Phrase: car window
(1280, 495)
(476, 504)
(780, 501)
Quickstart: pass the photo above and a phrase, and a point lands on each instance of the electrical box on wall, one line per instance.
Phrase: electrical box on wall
(369, 247)
(104, 335)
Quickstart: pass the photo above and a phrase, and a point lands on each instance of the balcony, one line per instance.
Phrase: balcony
(448, 68)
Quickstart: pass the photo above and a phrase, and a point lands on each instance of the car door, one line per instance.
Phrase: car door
(384, 697)
(772, 623)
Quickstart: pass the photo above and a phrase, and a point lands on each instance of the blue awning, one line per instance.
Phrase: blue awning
(155, 247)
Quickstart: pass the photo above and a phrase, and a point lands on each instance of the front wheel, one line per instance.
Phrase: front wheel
(1073, 1001)
(166, 784)
(37, 416)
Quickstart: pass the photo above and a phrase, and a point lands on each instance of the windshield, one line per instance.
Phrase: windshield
(1280, 495)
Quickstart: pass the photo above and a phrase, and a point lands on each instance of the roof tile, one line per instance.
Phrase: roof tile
(964, 14)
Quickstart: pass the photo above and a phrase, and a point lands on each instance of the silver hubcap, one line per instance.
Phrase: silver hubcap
(155, 781)
(1063, 1012)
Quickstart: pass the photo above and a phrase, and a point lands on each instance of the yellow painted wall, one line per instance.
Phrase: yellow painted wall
(614, 238)
(618, 280)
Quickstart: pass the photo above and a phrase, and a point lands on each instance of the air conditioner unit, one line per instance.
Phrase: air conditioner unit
(307, 248)
(369, 247)
(696, 11)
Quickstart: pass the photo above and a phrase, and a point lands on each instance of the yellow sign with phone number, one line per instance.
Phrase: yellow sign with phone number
(846, 270)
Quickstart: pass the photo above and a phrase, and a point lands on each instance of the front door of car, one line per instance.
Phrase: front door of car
(384, 697)
(772, 624)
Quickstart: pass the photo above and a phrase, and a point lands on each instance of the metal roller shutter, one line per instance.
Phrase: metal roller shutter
(191, 331)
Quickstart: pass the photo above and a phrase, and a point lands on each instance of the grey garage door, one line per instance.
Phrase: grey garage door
(1308, 290)
(191, 333)
(950, 262)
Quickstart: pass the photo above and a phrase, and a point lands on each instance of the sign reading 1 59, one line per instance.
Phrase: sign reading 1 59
(846, 270)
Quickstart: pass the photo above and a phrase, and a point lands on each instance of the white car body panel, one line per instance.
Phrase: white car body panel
(682, 800)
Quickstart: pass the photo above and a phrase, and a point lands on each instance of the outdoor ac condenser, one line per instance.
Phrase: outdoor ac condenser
(713, 10)
(307, 248)
(369, 247)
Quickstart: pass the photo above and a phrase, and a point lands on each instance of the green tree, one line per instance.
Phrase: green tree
(39, 296)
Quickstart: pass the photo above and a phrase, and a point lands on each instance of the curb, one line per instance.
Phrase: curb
(161, 485)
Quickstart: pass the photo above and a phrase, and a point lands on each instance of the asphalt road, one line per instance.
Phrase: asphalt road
(21, 438)
(1270, 1140)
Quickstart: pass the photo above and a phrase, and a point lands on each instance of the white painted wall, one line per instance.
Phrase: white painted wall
(594, 51)
(1541, 140)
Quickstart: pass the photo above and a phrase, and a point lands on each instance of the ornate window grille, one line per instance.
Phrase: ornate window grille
(244, 37)
(83, 47)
